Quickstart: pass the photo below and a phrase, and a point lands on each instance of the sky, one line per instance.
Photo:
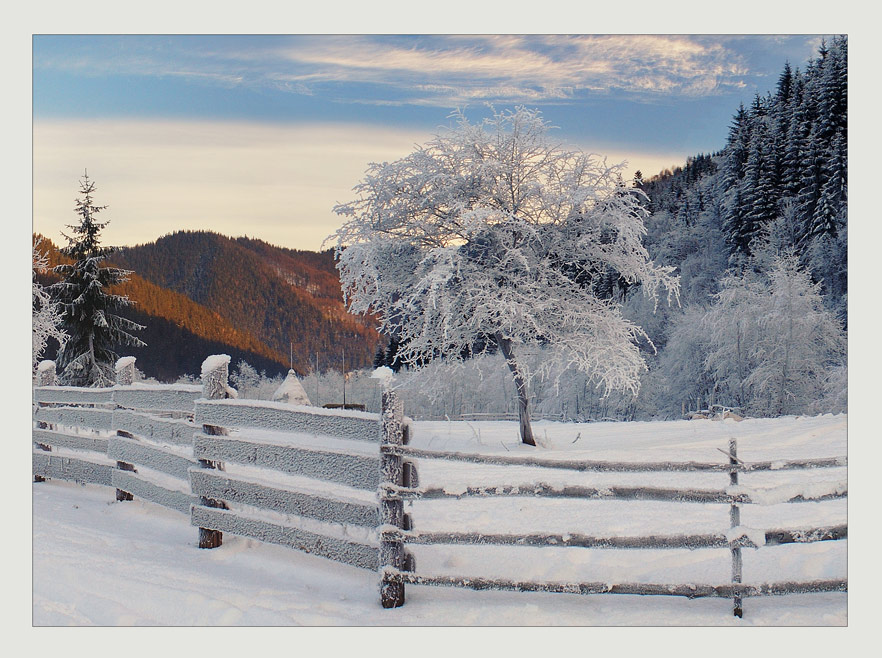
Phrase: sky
(261, 135)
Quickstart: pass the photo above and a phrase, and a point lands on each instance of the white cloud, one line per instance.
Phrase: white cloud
(523, 67)
(273, 181)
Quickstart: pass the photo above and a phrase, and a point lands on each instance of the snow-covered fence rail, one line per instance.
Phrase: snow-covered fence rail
(60, 450)
(302, 478)
(133, 437)
(71, 395)
(735, 538)
(280, 417)
(786, 494)
(584, 465)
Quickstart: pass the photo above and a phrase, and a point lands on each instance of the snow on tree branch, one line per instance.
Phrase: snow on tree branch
(47, 315)
(491, 237)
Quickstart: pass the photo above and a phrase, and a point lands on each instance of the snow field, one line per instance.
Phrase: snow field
(80, 534)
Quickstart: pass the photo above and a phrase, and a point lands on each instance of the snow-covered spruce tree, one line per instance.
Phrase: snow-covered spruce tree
(90, 321)
(492, 237)
(47, 319)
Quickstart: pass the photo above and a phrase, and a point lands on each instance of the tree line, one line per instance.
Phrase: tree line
(781, 179)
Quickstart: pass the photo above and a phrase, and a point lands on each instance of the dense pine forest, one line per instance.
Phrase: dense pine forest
(780, 182)
(758, 233)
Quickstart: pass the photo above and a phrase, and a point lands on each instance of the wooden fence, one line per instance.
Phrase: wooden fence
(281, 474)
(333, 483)
(736, 538)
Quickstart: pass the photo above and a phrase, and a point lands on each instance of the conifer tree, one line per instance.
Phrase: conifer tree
(785, 84)
(759, 197)
(811, 183)
(833, 194)
(737, 146)
(90, 319)
(794, 145)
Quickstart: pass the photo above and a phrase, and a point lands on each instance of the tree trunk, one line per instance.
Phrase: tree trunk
(521, 386)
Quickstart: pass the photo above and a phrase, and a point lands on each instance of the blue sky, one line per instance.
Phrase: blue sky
(262, 135)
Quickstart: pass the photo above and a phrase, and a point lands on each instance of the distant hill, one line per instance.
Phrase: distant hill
(279, 296)
(201, 293)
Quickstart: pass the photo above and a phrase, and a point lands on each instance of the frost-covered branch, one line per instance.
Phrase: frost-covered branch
(491, 238)
(47, 315)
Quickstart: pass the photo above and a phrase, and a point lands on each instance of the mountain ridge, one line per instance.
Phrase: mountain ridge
(200, 292)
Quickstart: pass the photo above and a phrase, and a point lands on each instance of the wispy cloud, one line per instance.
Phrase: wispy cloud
(435, 70)
(522, 68)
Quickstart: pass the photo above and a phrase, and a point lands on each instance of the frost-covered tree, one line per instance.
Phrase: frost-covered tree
(47, 318)
(731, 327)
(90, 318)
(772, 343)
(244, 377)
(801, 342)
(687, 382)
(491, 237)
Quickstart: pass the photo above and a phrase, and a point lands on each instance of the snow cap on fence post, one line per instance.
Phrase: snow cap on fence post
(385, 375)
(125, 371)
(46, 373)
(215, 372)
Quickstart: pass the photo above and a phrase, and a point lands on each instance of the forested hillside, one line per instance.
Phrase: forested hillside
(284, 298)
(178, 331)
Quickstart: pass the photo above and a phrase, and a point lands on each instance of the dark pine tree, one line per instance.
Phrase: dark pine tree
(795, 139)
(812, 182)
(88, 358)
(760, 197)
(834, 191)
(737, 147)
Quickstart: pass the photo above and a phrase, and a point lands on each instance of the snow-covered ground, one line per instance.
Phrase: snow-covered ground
(100, 562)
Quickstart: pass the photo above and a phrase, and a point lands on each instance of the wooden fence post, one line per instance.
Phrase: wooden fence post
(46, 374)
(215, 373)
(125, 371)
(391, 506)
(125, 376)
(45, 377)
(734, 521)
